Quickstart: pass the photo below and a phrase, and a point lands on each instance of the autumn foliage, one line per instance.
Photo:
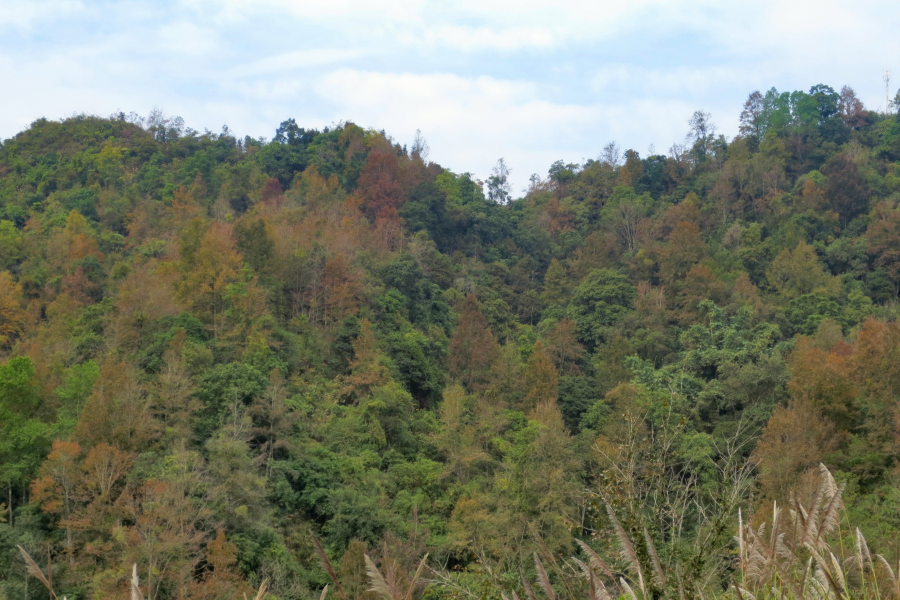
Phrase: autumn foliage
(213, 348)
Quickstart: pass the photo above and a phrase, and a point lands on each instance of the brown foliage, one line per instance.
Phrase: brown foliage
(343, 288)
(883, 240)
(541, 379)
(472, 347)
(793, 442)
(163, 540)
(380, 182)
(700, 283)
(12, 316)
(208, 272)
(186, 206)
(685, 248)
(846, 188)
(145, 295)
(822, 381)
(221, 579)
(117, 411)
(367, 371)
(563, 348)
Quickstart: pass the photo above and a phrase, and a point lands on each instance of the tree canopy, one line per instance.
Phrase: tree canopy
(212, 348)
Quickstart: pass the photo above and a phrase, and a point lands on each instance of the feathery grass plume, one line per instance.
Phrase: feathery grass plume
(136, 593)
(839, 574)
(807, 521)
(628, 589)
(554, 564)
(742, 548)
(863, 556)
(795, 546)
(895, 584)
(595, 586)
(377, 582)
(35, 571)
(762, 554)
(324, 592)
(743, 594)
(830, 514)
(628, 550)
(528, 589)
(543, 579)
(825, 575)
(598, 563)
(387, 585)
(818, 588)
(261, 592)
(326, 564)
(659, 576)
(415, 577)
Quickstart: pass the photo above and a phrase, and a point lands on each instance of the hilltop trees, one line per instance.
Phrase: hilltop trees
(211, 348)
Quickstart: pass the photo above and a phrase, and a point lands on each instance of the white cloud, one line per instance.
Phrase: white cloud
(186, 38)
(23, 14)
(675, 81)
(471, 122)
(301, 59)
(529, 80)
(475, 39)
(394, 10)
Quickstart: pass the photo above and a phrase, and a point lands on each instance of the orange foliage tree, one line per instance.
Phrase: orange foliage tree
(12, 316)
(472, 347)
(117, 411)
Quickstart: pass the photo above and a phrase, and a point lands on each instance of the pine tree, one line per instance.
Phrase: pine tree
(12, 317)
(541, 379)
(367, 369)
(472, 347)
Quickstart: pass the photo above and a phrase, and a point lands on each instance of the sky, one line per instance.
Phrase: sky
(530, 81)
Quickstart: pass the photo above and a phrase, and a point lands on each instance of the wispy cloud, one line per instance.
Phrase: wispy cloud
(187, 38)
(480, 39)
(299, 60)
(24, 15)
(533, 81)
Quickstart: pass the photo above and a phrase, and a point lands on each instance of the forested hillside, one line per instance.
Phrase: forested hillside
(212, 349)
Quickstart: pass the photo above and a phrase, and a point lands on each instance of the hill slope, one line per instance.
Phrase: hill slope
(211, 347)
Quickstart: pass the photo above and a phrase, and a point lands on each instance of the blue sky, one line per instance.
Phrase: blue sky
(531, 81)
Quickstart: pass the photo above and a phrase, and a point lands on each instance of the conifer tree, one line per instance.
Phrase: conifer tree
(472, 348)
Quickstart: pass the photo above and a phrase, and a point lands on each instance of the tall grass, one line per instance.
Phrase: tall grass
(798, 553)
(134, 582)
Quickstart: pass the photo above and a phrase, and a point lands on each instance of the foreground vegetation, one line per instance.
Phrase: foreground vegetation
(317, 359)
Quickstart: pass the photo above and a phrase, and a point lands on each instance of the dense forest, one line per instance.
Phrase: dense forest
(217, 353)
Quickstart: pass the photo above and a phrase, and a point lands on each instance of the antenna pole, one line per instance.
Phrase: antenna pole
(887, 91)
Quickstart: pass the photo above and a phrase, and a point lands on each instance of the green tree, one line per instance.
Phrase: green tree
(12, 317)
(598, 302)
(10, 245)
(24, 432)
(797, 272)
(221, 391)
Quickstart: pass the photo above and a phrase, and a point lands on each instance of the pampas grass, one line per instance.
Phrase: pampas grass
(792, 555)
(35, 571)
